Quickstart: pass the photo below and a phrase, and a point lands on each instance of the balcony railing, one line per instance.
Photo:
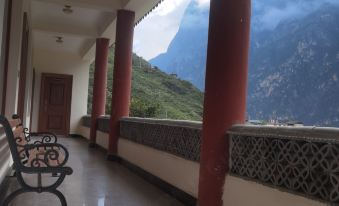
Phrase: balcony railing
(302, 160)
(299, 160)
(180, 138)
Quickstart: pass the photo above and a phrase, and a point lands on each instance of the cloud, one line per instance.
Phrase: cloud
(154, 34)
(167, 7)
(268, 14)
(273, 16)
(203, 3)
(196, 17)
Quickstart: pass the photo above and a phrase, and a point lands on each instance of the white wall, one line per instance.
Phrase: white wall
(63, 63)
(102, 138)
(239, 192)
(177, 171)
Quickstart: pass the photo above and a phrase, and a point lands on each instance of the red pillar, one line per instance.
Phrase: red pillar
(225, 92)
(99, 85)
(122, 76)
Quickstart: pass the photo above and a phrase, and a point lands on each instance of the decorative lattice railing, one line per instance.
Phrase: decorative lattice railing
(304, 160)
(181, 138)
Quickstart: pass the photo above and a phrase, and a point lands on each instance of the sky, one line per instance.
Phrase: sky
(154, 34)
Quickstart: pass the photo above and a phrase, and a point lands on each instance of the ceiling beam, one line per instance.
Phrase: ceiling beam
(101, 5)
(88, 52)
(141, 7)
(62, 30)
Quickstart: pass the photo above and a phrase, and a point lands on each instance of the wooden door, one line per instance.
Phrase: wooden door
(55, 103)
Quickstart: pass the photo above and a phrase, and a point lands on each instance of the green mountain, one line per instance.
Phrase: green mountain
(155, 94)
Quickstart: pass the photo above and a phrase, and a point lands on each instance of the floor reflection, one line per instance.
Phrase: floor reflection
(97, 182)
(101, 202)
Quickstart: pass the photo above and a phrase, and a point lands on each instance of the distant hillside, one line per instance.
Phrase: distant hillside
(186, 55)
(294, 59)
(295, 69)
(155, 93)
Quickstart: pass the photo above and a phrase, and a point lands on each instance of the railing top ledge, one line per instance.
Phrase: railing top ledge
(167, 122)
(301, 132)
(101, 116)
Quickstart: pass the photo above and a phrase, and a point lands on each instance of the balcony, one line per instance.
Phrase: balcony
(158, 164)
(154, 162)
(271, 165)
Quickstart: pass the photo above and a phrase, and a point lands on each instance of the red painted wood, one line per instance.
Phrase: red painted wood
(122, 75)
(225, 92)
(99, 85)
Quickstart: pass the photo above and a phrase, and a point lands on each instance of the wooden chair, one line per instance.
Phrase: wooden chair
(38, 158)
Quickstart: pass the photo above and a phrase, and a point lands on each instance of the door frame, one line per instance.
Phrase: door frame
(32, 100)
(44, 76)
(23, 68)
(7, 34)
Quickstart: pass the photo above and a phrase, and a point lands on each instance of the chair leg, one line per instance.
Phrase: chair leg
(12, 196)
(60, 196)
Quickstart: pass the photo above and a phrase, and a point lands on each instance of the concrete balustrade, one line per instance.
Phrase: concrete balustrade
(168, 150)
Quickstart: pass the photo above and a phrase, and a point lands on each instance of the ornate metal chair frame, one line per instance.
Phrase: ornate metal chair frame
(36, 137)
(39, 165)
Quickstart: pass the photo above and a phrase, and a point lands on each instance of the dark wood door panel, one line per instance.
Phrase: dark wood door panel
(55, 103)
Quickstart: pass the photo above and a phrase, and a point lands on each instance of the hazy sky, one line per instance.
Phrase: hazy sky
(154, 34)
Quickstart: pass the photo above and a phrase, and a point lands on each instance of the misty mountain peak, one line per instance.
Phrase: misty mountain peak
(294, 64)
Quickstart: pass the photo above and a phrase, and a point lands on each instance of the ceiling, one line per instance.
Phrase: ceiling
(89, 20)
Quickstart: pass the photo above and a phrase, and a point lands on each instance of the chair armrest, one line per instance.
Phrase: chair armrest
(40, 137)
(47, 155)
(42, 170)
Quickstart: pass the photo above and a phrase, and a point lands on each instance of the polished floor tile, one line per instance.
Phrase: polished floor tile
(97, 182)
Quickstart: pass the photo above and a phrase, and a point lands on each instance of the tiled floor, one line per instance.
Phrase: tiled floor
(97, 182)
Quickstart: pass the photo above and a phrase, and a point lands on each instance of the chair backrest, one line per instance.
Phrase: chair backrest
(16, 140)
(21, 129)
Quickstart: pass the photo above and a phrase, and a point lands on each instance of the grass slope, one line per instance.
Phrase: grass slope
(154, 93)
